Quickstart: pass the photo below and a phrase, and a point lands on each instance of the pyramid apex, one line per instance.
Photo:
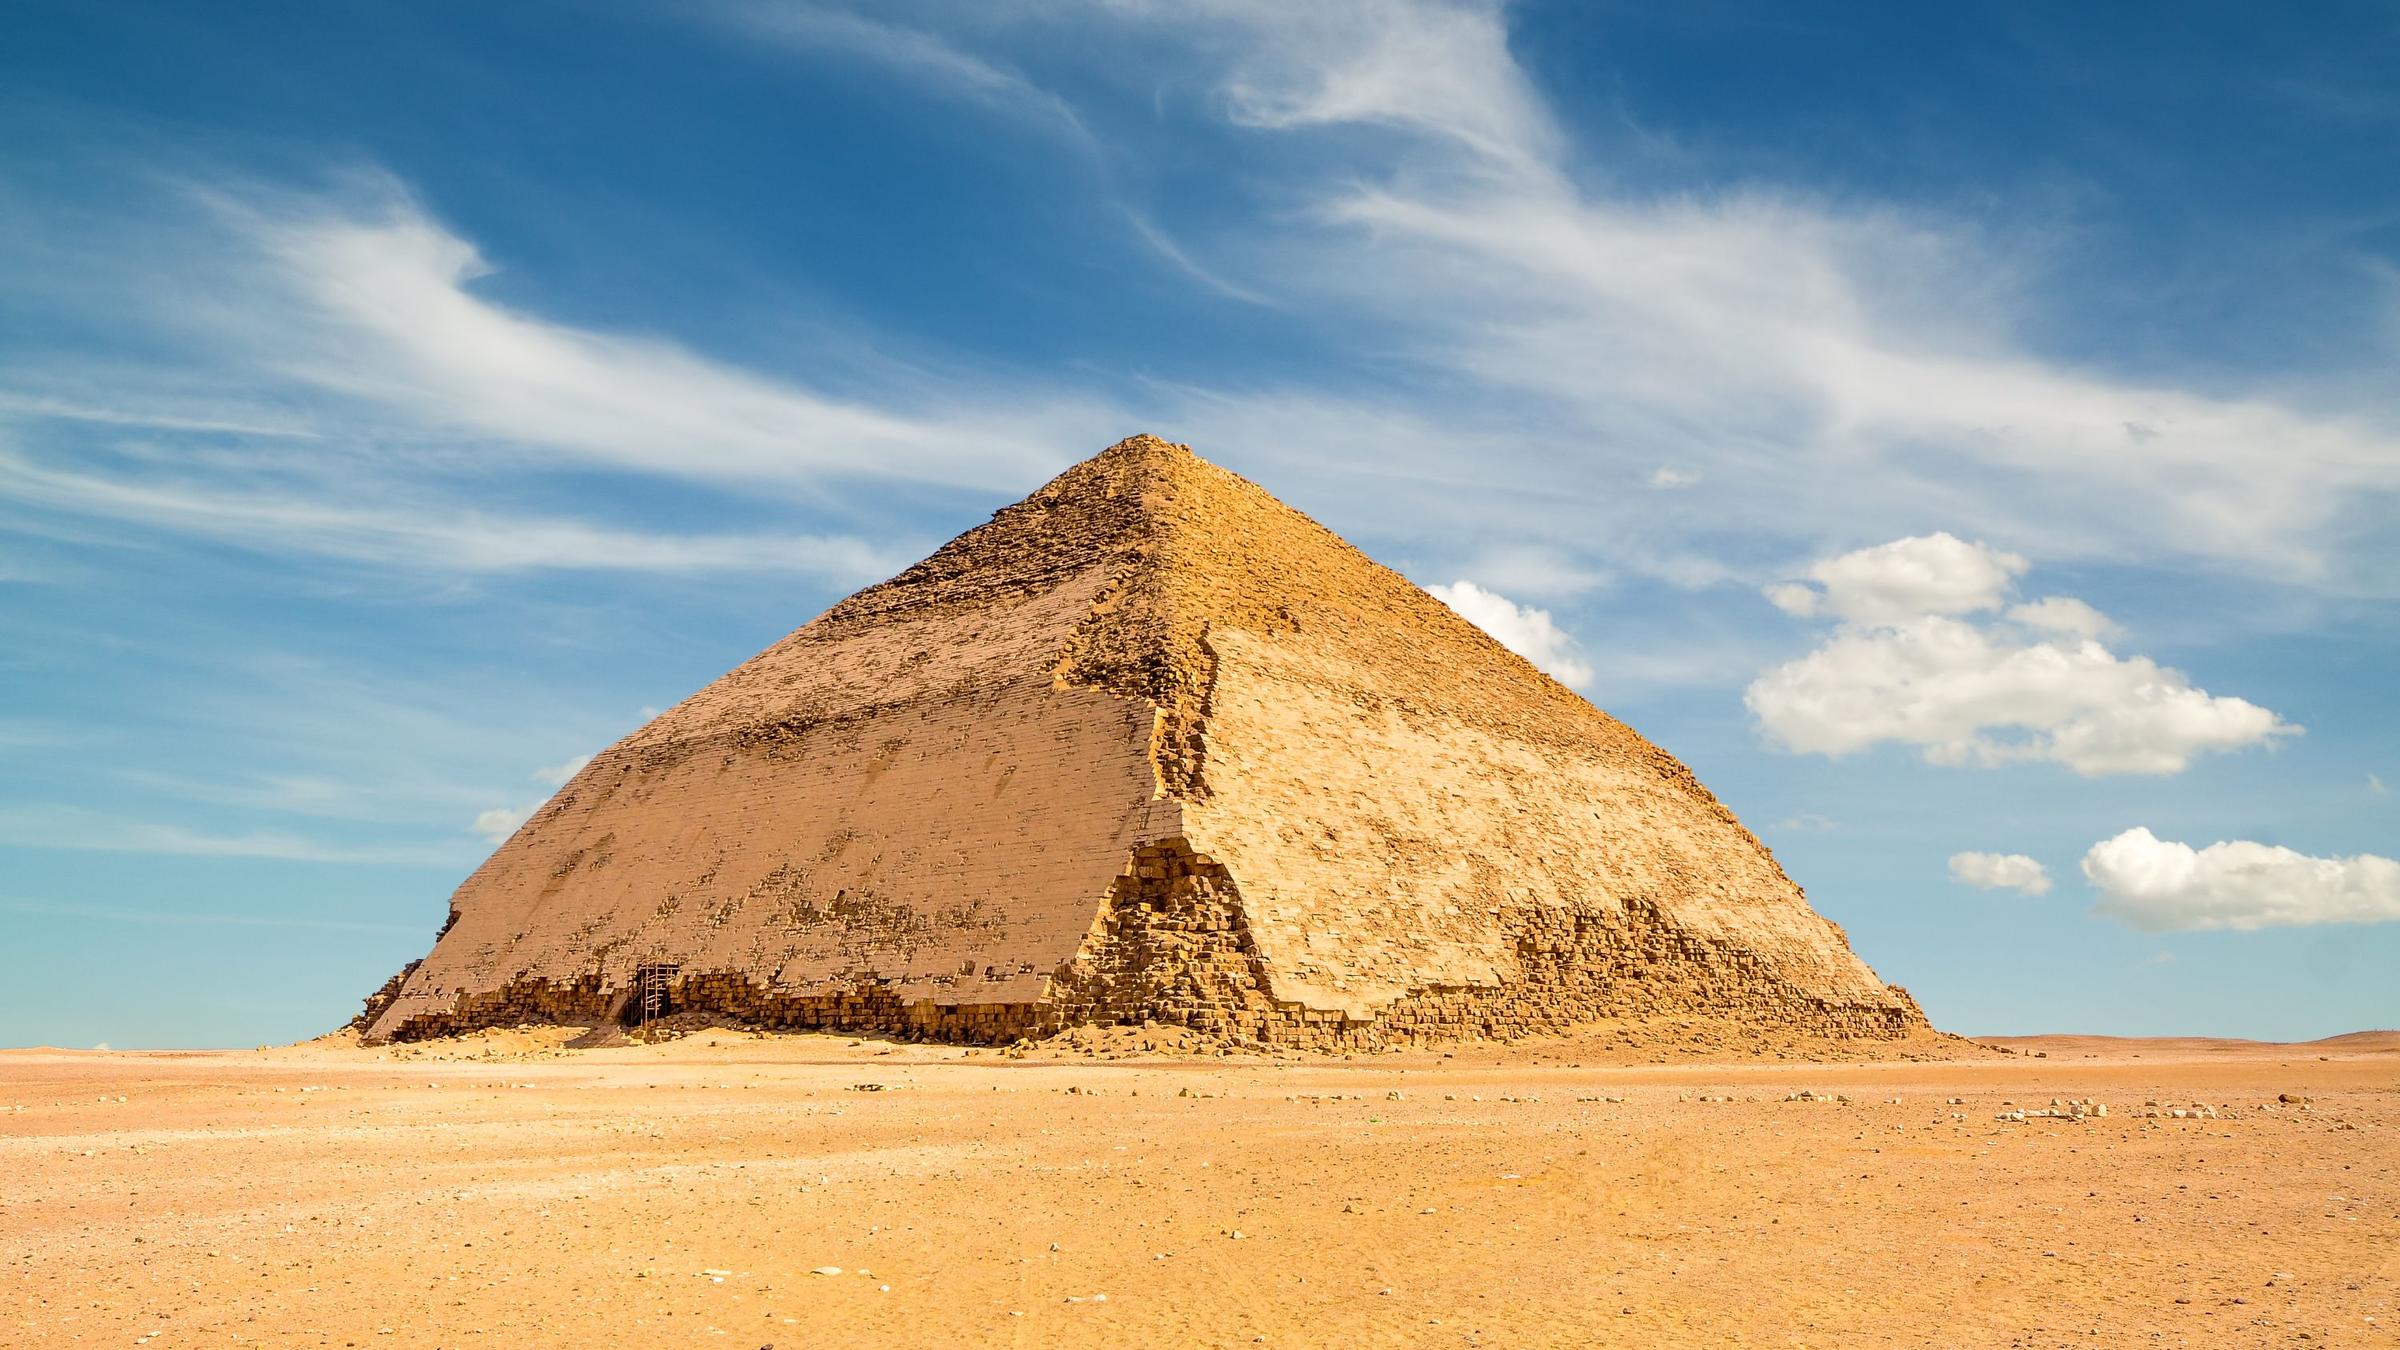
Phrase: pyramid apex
(1132, 469)
(1145, 450)
(1142, 442)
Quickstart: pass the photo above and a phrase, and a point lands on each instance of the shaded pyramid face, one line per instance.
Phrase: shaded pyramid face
(1148, 745)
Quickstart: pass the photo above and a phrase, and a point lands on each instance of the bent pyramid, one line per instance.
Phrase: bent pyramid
(1148, 745)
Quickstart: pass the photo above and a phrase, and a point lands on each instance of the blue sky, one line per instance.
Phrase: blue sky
(1965, 435)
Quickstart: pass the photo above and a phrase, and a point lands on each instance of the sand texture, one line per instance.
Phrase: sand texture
(1148, 746)
(493, 1192)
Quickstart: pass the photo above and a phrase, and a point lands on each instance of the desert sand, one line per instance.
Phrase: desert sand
(809, 1190)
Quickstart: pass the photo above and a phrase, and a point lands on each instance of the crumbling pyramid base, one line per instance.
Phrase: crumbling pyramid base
(1171, 948)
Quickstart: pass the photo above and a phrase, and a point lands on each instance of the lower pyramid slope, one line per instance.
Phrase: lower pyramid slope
(1149, 745)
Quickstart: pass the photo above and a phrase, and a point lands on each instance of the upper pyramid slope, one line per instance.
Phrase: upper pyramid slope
(1147, 744)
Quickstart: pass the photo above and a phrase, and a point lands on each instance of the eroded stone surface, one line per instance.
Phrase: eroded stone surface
(1148, 746)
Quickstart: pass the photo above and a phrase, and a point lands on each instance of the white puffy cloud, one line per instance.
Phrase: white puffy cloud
(498, 823)
(1667, 477)
(2158, 884)
(1794, 598)
(1929, 574)
(1529, 632)
(2062, 614)
(1969, 695)
(1908, 664)
(2000, 871)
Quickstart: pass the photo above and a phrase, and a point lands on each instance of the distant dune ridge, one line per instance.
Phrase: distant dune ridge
(1148, 746)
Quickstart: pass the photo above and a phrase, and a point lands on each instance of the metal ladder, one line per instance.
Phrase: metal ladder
(650, 991)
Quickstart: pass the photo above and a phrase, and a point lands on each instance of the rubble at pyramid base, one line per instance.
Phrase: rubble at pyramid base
(1172, 949)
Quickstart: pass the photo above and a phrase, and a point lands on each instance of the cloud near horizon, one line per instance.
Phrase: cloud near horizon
(2159, 885)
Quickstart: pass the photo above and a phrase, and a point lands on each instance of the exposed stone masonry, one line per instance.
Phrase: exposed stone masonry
(383, 995)
(1171, 946)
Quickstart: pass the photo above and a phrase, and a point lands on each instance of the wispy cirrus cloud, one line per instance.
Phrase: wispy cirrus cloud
(427, 535)
(277, 756)
(89, 831)
(325, 374)
(920, 54)
(160, 916)
(1833, 369)
(1440, 70)
(384, 309)
(22, 406)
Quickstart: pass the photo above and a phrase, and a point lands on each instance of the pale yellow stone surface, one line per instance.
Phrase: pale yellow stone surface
(1379, 861)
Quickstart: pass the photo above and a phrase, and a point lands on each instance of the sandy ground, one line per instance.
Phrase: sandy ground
(730, 1191)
